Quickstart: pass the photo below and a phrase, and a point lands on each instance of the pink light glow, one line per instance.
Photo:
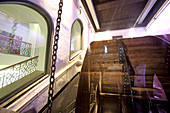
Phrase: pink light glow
(159, 91)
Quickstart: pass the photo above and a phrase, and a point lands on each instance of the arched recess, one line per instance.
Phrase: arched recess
(76, 40)
(26, 50)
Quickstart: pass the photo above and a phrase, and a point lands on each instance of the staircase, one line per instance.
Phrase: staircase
(104, 81)
(124, 76)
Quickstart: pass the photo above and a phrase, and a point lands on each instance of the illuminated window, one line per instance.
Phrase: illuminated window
(76, 38)
(24, 34)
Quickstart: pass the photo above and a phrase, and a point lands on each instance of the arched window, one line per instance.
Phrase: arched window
(25, 36)
(76, 38)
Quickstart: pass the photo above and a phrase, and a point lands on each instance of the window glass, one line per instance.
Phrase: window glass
(23, 38)
(76, 37)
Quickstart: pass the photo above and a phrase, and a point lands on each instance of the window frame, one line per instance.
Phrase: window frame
(72, 56)
(11, 97)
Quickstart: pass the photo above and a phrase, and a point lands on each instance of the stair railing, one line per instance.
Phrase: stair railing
(9, 45)
(17, 71)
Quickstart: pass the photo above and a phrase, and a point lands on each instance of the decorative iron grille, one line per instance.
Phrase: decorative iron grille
(9, 45)
(17, 71)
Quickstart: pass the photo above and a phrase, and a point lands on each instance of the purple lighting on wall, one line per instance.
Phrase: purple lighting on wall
(159, 91)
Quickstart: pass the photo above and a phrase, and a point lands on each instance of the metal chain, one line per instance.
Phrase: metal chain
(54, 58)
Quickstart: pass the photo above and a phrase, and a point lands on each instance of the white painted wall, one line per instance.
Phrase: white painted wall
(7, 59)
(70, 13)
(38, 41)
(161, 24)
(126, 33)
(34, 30)
(7, 24)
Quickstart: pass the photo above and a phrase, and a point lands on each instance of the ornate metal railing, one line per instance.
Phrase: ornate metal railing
(17, 71)
(9, 45)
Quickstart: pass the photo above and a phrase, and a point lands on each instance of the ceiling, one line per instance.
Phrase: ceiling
(120, 14)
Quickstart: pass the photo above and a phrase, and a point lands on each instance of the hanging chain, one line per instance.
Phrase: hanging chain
(54, 58)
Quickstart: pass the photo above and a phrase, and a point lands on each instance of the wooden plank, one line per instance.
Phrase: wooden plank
(156, 71)
(112, 81)
(141, 89)
(108, 43)
(104, 51)
(139, 39)
(100, 66)
(94, 76)
(137, 43)
(149, 47)
(103, 42)
(147, 51)
(160, 65)
(106, 67)
(147, 55)
(136, 61)
(111, 88)
(104, 56)
(106, 61)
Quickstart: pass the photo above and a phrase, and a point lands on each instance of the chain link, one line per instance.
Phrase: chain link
(54, 58)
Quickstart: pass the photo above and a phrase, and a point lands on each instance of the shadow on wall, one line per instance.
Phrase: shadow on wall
(60, 64)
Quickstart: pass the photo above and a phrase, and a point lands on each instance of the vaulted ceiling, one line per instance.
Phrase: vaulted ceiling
(120, 14)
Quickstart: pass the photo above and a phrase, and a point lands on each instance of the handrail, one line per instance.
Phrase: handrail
(19, 63)
(14, 39)
(17, 71)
